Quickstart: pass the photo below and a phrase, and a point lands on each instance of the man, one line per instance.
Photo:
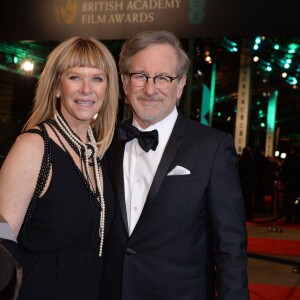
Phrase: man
(179, 229)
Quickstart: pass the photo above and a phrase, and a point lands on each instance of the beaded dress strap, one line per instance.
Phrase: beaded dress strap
(43, 174)
(34, 130)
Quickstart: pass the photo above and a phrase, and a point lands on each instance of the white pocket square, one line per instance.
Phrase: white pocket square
(178, 170)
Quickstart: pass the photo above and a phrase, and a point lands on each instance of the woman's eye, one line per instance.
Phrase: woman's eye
(99, 78)
(73, 77)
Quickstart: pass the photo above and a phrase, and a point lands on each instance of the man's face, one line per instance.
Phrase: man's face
(150, 104)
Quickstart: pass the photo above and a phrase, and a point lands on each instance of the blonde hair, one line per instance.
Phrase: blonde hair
(78, 52)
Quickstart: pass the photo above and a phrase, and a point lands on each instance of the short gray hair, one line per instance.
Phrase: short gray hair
(147, 38)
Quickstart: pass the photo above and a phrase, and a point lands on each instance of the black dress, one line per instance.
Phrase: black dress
(60, 245)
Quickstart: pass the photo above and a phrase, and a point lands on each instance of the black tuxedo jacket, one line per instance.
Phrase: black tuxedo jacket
(190, 240)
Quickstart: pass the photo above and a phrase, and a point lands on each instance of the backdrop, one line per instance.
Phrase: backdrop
(59, 19)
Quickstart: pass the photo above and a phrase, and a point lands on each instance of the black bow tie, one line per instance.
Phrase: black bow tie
(147, 139)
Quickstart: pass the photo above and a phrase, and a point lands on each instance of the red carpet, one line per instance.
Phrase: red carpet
(273, 246)
(263, 242)
(273, 292)
(278, 223)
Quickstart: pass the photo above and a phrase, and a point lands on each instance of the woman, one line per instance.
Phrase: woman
(54, 191)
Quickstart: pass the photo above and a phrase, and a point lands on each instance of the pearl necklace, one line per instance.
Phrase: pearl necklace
(86, 152)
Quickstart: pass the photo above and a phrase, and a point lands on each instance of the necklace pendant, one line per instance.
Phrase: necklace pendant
(89, 153)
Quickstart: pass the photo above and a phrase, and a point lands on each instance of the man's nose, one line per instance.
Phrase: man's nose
(150, 87)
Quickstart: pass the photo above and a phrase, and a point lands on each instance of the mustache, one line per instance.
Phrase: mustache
(153, 98)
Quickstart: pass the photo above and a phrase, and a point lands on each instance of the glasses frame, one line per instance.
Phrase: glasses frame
(154, 78)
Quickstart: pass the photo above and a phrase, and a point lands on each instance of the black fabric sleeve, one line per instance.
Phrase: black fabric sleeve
(11, 269)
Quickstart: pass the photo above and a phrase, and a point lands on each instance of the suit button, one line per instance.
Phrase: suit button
(129, 251)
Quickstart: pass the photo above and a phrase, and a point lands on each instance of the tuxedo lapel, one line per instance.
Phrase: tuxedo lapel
(120, 181)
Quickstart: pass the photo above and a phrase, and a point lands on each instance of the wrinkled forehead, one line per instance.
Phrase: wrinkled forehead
(158, 58)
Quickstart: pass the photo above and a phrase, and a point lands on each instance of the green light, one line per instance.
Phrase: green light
(257, 102)
(272, 112)
(262, 125)
(276, 47)
(292, 80)
(293, 47)
(219, 114)
(261, 113)
(205, 104)
(16, 59)
(258, 40)
(212, 92)
(231, 46)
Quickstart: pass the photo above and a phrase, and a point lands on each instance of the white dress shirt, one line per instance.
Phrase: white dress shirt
(140, 167)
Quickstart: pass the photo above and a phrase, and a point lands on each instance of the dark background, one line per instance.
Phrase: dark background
(28, 30)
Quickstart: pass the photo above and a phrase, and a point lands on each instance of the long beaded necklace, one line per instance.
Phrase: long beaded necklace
(86, 152)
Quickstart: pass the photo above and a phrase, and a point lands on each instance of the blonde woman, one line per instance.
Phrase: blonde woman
(54, 190)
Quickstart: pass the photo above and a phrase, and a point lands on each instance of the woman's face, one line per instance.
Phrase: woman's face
(82, 91)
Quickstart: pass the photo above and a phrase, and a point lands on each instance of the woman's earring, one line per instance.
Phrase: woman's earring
(57, 95)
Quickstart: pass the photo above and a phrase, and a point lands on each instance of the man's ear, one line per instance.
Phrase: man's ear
(181, 85)
(125, 83)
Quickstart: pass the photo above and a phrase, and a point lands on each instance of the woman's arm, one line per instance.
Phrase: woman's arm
(18, 177)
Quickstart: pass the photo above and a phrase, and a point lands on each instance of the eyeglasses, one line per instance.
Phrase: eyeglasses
(161, 81)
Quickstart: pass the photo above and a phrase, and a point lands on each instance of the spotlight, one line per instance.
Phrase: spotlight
(283, 155)
(27, 66)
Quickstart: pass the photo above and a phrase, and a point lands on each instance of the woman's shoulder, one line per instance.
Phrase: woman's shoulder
(31, 140)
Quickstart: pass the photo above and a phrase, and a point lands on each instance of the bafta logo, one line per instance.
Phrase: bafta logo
(197, 11)
(65, 11)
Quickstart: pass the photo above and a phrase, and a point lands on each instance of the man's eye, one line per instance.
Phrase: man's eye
(140, 76)
(162, 79)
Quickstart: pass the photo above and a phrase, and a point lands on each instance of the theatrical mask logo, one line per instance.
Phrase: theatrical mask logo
(65, 11)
